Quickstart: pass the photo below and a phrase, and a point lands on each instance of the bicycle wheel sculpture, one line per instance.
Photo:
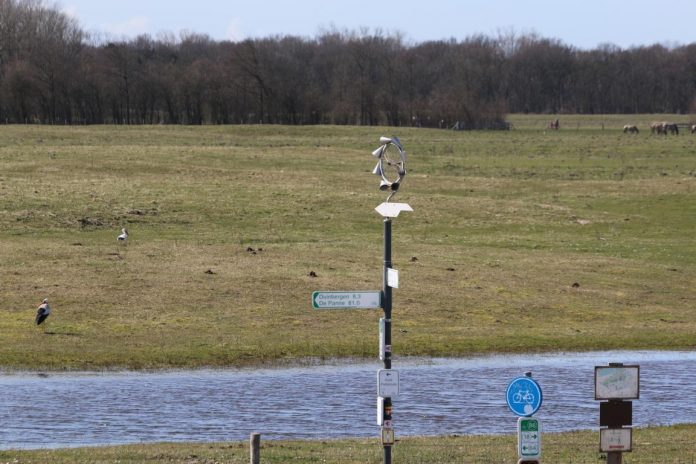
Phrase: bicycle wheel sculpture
(391, 166)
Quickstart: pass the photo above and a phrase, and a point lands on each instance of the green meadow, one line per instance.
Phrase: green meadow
(520, 241)
(664, 445)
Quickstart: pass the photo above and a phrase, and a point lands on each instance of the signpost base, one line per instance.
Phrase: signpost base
(614, 457)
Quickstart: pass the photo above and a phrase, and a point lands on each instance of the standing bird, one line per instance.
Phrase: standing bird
(43, 312)
(123, 237)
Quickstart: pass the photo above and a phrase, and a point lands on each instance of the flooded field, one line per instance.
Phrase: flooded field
(438, 397)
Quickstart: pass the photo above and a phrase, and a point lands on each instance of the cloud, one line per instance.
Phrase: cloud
(132, 27)
(234, 31)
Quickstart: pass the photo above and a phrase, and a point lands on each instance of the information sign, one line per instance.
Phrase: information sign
(615, 440)
(524, 396)
(528, 437)
(347, 300)
(617, 382)
(387, 383)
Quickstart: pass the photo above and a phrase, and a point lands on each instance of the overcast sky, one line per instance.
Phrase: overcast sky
(584, 24)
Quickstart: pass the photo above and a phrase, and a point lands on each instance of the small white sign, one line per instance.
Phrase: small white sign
(380, 410)
(392, 278)
(381, 339)
(392, 209)
(617, 382)
(615, 440)
(387, 383)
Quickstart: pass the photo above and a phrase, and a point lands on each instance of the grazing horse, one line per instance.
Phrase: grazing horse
(671, 127)
(693, 128)
(632, 128)
(658, 128)
(553, 124)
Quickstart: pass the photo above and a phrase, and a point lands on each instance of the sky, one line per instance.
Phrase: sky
(584, 24)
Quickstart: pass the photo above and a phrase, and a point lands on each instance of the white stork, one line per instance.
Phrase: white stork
(123, 238)
(43, 311)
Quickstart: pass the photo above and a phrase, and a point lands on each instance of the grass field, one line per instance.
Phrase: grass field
(527, 240)
(664, 445)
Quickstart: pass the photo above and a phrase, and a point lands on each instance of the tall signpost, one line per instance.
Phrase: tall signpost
(524, 398)
(391, 167)
(616, 383)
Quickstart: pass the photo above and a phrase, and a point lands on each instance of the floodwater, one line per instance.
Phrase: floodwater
(437, 397)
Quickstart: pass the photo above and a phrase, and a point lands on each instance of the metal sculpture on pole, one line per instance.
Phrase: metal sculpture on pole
(391, 167)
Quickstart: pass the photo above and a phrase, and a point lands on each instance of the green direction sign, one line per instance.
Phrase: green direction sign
(529, 425)
(347, 300)
(528, 437)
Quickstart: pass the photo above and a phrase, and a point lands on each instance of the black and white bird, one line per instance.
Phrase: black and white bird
(43, 312)
(123, 238)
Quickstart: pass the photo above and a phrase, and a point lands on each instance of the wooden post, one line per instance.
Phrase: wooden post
(255, 448)
(614, 457)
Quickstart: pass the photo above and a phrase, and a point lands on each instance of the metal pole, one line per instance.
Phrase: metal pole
(387, 306)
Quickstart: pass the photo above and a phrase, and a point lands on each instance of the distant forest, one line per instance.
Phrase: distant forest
(53, 72)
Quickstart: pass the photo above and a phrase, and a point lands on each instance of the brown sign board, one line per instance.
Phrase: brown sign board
(615, 413)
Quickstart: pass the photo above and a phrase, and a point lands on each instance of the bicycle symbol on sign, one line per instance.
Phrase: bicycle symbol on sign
(523, 396)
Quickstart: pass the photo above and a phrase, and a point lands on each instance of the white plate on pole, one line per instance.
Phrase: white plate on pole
(393, 278)
(387, 383)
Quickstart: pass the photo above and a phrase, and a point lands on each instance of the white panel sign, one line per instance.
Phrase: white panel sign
(615, 440)
(346, 300)
(617, 382)
(380, 410)
(393, 278)
(381, 339)
(387, 383)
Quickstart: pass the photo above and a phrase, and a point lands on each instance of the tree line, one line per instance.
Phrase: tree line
(52, 71)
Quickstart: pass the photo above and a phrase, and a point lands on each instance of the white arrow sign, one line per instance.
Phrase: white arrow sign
(346, 300)
(392, 209)
(387, 383)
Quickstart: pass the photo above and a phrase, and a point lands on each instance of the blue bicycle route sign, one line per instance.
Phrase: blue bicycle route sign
(524, 396)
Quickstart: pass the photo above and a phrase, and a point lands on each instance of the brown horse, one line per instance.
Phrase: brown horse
(658, 128)
(664, 128)
(632, 128)
(553, 124)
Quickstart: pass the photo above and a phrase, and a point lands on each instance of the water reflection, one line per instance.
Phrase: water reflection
(438, 396)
